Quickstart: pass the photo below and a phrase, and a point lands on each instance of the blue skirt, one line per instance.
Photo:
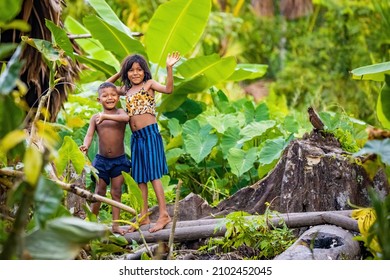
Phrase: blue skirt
(148, 160)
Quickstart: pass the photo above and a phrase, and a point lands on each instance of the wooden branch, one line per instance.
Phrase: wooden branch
(92, 196)
(198, 229)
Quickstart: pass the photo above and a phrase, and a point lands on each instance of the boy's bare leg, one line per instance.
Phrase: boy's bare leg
(101, 188)
(116, 193)
(164, 217)
(144, 210)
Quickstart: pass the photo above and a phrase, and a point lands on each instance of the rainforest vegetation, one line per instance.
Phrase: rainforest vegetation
(248, 73)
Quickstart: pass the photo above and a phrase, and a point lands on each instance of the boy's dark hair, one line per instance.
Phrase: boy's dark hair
(128, 63)
(106, 85)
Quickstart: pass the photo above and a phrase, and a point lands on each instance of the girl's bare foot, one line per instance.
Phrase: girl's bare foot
(161, 223)
(118, 229)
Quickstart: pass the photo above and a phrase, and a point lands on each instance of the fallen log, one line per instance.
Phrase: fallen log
(200, 229)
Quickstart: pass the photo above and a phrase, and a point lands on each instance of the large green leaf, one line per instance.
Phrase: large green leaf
(241, 161)
(62, 238)
(60, 38)
(198, 141)
(215, 69)
(248, 72)
(222, 122)
(47, 197)
(172, 101)
(230, 140)
(272, 150)
(9, 9)
(177, 25)
(70, 152)
(112, 39)
(32, 164)
(10, 75)
(383, 104)
(136, 200)
(378, 147)
(91, 46)
(375, 72)
(97, 64)
(108, 15)
(46, 48)
(255, 129)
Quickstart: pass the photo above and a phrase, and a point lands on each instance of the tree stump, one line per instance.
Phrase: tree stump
(313, 174)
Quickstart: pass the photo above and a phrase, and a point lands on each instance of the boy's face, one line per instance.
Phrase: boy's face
(108, 97)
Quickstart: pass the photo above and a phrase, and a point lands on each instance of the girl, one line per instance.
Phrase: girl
(148, 163)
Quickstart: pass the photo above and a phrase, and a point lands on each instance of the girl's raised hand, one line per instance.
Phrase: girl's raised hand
(172, 58)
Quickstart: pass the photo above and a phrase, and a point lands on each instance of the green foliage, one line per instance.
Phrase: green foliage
(253, 231)
(62, 238)
(69, 153)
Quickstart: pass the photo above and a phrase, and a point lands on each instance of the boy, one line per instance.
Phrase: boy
(110, 160)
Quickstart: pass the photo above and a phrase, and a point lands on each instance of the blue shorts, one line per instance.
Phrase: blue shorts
(111, 167)
(148, 160)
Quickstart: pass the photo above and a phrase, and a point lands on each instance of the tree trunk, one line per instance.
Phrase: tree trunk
(313, 174)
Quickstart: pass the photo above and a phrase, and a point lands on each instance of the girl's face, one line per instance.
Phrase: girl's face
(136, 74)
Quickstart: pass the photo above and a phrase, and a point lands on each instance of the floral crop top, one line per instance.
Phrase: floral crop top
(140, 103)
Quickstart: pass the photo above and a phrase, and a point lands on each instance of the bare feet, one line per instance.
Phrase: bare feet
(145, 221)
(161, 223)
(118, 229)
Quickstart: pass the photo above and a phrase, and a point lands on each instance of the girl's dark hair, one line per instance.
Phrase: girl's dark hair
(128, 63)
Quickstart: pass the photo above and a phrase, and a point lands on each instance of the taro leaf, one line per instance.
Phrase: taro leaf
(229, 140)
(174, 127)
(173, 155)
(69, 152)
(241, 161)
(255, 129)
(378, 147)
(272, 150)
(198, 141)
(222, 122)
(48, 197)
(221, 102)
(177, 25)
(62, 238)
(262, 112)
(291, 124)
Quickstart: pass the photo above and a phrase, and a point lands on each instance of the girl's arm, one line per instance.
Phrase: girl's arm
(89, 136)
(113, 79)
(168, 87)
(121, 116)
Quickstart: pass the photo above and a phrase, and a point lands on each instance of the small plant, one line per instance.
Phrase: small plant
(243, 229)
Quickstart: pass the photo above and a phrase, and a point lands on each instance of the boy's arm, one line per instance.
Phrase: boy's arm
(168, 87)
(89, 136)
(121, 116)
